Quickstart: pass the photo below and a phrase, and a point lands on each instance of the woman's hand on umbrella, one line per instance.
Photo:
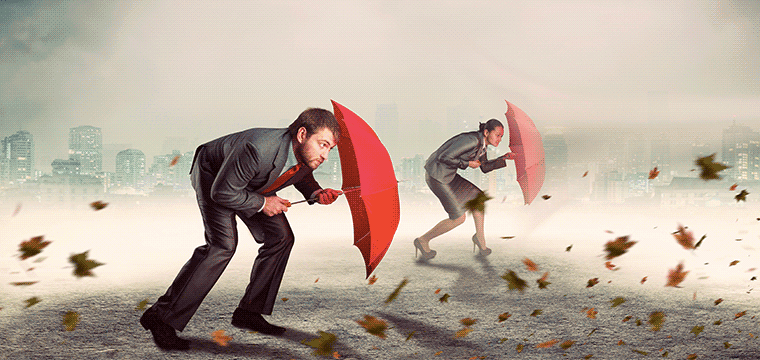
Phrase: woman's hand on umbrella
(328, 196)
(510, 156)
(475, 163)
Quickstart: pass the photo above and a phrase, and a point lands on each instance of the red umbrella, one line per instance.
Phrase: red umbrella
(525, 141)
(369, 184)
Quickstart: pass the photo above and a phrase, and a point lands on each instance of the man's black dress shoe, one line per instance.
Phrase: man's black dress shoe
(163, 335)
(254, 321)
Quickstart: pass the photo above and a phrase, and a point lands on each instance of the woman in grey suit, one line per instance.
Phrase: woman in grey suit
(460, 152)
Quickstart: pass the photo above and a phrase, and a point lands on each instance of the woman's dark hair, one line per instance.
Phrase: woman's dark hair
(490, 125)
(314, 120)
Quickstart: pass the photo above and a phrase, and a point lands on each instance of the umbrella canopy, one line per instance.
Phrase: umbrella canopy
(370, 186)
(525, 141)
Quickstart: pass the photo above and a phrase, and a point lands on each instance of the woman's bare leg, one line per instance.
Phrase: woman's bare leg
(479, 218)
(441, 228)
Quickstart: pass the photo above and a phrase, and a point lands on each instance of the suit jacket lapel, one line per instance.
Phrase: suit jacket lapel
(279, 161)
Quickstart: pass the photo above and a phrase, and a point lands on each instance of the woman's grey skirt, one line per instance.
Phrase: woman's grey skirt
(453, 195)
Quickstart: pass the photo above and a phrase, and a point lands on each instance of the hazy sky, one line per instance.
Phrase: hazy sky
(147, 70)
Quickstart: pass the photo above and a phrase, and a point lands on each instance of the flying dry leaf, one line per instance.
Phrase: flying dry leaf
(374, 325)
(40, 259)
(174, 161)
(644, 279)
(285, 299)
(70, 320)
(463, 332)
(653, 173)
(700, 241)
(733, 263)
(617, 247)
(478, 203)
(444, 298)
(468, 321)
(514, 281)
(691, 357)
(336, 355)
(546, 197)
(676, 276)
(718, 301)
(742, 196)
(395, 293)
(617, 301)
(536, 312)
(316, 280)
(740, 314)
(584, 174)
(438, 353)
(727, 345)
(640, 352)
(18, 209)
(627, 318)
(588, 356)
(372, 279)
(709, 168)
(609, 265)
(504, 316)
(507, 237)
(410, 335)
(530, 265)
(656, 319)
(98, 205)
(591, 313)
(32, 246)
(542, 283)
(684, 237)
(733, 187)
(221, 339)
(142, 305)
(83, 266)
(592, 282)
(519, 348)
(24, 283)
(592, 331)
(323, 345)
(567, 344)
(32, 301)
(567, 249)
(696, 330)
(437, 291)
(548, 344)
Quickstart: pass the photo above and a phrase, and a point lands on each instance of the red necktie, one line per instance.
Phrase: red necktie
(283, 178)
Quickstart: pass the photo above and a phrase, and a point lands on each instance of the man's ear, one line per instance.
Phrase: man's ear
(301, 135)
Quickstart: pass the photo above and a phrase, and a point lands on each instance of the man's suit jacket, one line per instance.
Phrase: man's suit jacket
(243, 164)
(456, 153)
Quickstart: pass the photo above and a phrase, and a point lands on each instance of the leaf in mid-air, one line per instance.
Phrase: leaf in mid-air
(98, 205)
(174, 161)
(18, 209)
(718, 322)
(610, 266)
(542, 283)
(32, 246)
(24, 283)
(653, 173)
(437, 291)
(617, 301)
(323, 345)
(740, 314)
(285, 299)
(70, 320)
(733, 263)
(142, 305)
(463, 332)
(733, 187)
(742, 196)
(468, 321)
(395, 293)
(32, 301)
(617, 247)
(507, 237)
(519, 348)
(567, 249)
(591, 313)
(536, 312)
(478, 203)
(727, 345)
(374, 325)
(567, 344)
(700, 241)
(82, 265)
(627, 318)
(514, 281)
(530, 265)
(684, 237)
(584, 174)
(372, 280)
(640, 352)
(709, 168)
(504, 316)
(221, 339)
(410, 335)
(546, 197)
(656, 319)
(696, 330)
(676, 276)
(718, 301)
(445, 298)
(592, 282)
(644, 279)
(548, 344)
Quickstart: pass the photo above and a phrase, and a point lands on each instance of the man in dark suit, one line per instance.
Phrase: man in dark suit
(239, 175)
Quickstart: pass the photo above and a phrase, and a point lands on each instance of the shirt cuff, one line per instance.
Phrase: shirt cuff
(262, 205)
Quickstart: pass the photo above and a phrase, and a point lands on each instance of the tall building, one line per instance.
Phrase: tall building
(386, 126)
(86, 146)
(175, 177)
(741, 151)
(130, 168)
(555, 155)
(17, 164)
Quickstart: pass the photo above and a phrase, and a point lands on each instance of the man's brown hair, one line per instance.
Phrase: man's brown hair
(314, 120)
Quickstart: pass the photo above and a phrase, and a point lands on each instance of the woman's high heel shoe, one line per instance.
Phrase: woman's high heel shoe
(483, 252)
(425, 255)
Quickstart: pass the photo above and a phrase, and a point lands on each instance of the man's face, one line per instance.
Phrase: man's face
(494, 136)
(313, 150)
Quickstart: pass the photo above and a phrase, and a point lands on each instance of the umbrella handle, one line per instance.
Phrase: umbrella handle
(314, 198)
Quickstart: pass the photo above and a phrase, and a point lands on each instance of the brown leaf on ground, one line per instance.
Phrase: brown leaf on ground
(32, 246)
(70, 320)
(141, 305)
(591, 313)
(374, 325)
(617, 301)
(676, 276)
(696, 330)
(656, 319)
(592, 282)
(709, 169)
(504, 316)
(437, 291)
(444, 298)
(740, 314)
(684, 237)
(372, 279)
(627, 318)
(718, 301)
(617, 247)
(32, 301)
(463, 332)
(530, 265)
(468, 321)
(219, 338)
(548, 344)
(536, 312)
(567, 344)
(519, 348)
